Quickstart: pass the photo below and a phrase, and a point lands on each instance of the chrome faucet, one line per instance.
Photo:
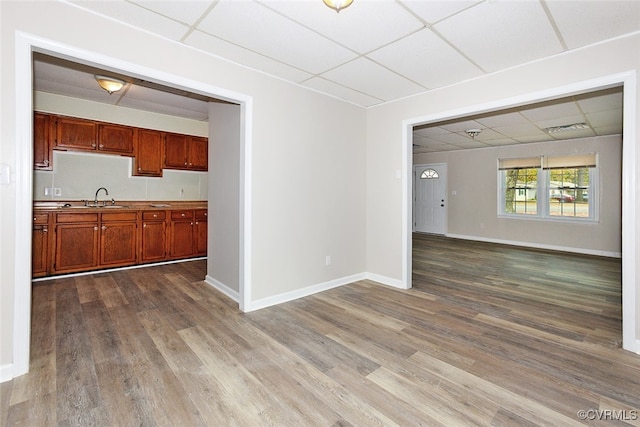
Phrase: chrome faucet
(95, 200)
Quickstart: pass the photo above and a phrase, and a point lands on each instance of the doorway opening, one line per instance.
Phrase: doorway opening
(629, 217)
(25, 46)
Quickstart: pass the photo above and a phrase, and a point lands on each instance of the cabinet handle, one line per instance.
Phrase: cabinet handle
(45, 229)
(101, 146)
(144, 225)
(205, 214)
(139, 169)
(46, 162)
(191, 224)
(34, 218)
(95, 228)
(183, 215)
(155, 215)
(93, 145)
(185, 163)
(104, 227)
(196, 222)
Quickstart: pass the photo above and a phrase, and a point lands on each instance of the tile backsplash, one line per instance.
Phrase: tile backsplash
(77, 176)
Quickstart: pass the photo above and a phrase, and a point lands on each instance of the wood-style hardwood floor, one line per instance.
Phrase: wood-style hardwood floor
(489, 335)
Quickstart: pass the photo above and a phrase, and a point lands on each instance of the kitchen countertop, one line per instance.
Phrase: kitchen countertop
(77, 205)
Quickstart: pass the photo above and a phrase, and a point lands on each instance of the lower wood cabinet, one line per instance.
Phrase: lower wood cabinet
(40, 245)
(154, 236)
(95, 239)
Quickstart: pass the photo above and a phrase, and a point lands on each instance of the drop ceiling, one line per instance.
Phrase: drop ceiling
(373, 52)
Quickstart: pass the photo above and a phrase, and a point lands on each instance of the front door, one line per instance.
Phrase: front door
(430, 198)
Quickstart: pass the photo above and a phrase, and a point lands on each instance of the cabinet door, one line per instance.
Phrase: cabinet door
(115, 138)
(40, 245)
(154, 241)
(181, 243)
(200, 233)
(148, 153)
(198, 152)
(76, 247)
(42, 138)
(117, 243)
(75, 133)
(175, 151)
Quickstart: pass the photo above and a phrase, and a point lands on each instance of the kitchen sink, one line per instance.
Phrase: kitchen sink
(93, 207)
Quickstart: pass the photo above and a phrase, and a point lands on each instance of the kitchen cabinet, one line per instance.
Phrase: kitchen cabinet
(185, 152)
(77, 242)
(200, 232)
(116, 139)
(148, 153)
(40, 245)
(73, 133)
(181, 232)
(154, 236)
(90, 135)
(42, 141)
(118, 239)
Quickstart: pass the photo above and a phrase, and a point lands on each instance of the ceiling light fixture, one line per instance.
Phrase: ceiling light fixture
(564, 128)
(338, 5)
(109, 84)
(473, 132)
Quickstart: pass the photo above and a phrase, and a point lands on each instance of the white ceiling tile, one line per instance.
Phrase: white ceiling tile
(501, 119)
(434, 11)
(610, 100)
(240, 55)
(519, 130)
(550, 111)
(185, 11)
(461, 126)
(341, 92)
(608, 130)
(500, 34)
(137, 16)
(257, 28)
(470, 144)
(368, 77)
(363, 26)
(606, 118)
(586, 22)
(426, 59)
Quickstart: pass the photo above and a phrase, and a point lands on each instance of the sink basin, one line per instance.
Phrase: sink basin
(112, 207)
(94, 207)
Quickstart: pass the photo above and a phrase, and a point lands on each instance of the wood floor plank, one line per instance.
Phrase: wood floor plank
(488, 335)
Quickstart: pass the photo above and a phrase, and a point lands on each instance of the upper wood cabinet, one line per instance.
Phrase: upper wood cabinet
(185, 152)
(72, 133)
(42, 141)
(82, 134)
(116, 138)
(148, 150)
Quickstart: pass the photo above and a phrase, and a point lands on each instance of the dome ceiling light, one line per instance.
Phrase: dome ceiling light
(110, 84)
(338, 5)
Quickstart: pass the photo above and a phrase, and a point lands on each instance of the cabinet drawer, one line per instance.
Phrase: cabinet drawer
(201, 214)
(119, 216)
(181, 214)
(40, 218)
(151, 215)
(76, 217)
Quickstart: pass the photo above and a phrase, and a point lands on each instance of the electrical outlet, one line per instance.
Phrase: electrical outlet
(327, 260)
(57, 192)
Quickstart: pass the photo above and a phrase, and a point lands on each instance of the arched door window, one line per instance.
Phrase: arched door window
(429, 174)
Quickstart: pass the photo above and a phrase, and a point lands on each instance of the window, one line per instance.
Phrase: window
(429, 174)
(549, 187)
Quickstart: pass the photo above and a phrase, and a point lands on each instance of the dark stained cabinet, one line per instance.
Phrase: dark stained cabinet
(185, 152)
(154, 236)
(42, 141)
(181, 240)
(40, 245)
(118, 239)
(115, 139)
(200, 232)
(77, 242)
(148, 150)
(73, 133)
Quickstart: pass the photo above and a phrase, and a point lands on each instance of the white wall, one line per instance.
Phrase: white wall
(307, 172)
(388, 150)
(473, 197)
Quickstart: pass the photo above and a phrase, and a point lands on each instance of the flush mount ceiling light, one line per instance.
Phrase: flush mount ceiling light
(338, 5)
(473, 132)
(564, 128)
(109, 84)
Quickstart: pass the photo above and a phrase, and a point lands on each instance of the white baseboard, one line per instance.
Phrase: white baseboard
(6, 372)
(539, 246)
(396, 283)
(231, 293)
(300, 293)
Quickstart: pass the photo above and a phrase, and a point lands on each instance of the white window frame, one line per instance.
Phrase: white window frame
(542, 199)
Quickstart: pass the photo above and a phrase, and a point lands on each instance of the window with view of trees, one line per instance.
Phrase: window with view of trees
(549, 186)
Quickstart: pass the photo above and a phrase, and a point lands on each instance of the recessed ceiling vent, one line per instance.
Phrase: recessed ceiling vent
(565, 128)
